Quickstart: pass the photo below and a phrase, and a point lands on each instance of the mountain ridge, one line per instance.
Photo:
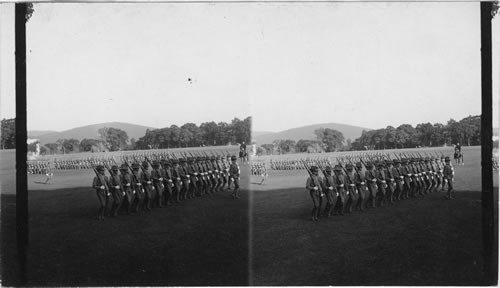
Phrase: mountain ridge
(307, 132)
(91, 132)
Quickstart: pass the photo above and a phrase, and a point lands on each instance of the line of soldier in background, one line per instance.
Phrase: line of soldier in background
(38, 167)
(383, 181)
(171, 180)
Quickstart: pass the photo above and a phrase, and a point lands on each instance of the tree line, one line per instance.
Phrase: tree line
(187, 135)
(467, 132)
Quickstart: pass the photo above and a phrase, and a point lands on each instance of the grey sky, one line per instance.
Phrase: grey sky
(287, 65)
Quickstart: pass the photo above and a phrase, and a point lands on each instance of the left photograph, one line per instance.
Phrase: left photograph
(137, 119)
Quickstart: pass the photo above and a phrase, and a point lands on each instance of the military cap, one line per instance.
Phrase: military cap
(182, 160)
(396, 161)
(349, 166)
(124, 166)
(369, 164)
(328, 169)
(114, 168)
(155, 164)
(337, 168)
(388, 162)
(313, 168)
(135, 166)
(359, 165)
(233, 157)
(100, 168)
(427, 159)
(145, 164)
(175, 161)
(447, 159)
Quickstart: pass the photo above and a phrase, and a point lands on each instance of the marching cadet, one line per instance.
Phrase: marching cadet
(156, 175)
(433, 171)
(203, 178)
(382, 184)
(441, 164)
(330, 192)
(185, 179)
(396, 173)
(126, 181)
(448, 178)
(352, 193)
(313, 184)
(139, 190)
(168, 183)
(148, 186)
(100, 184)
(371, 178)
(429, 177)
(339, 181)
(192, 178)
(234, 173)
(391, 184)
(177, 181)
(363, 192)
(406, 172)
(116, 188)
(415, 180)
(437, 173)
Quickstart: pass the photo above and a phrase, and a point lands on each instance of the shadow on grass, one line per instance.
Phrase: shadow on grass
(429, 241)
(202, 241)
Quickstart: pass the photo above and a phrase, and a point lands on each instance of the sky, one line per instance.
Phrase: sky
(285, 64)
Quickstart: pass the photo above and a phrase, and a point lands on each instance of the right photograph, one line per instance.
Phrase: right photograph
(365, 158)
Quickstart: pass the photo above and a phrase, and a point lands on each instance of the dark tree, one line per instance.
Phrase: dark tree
(330, 138)
(8, 134)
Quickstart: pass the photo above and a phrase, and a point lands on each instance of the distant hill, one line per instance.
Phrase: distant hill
(260, 133)
(36, 133)
(90, 131)
(307, 132)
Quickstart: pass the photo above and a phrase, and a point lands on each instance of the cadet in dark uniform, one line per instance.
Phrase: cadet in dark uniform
(168, 182)
(234, 173)
(339, 181)
(156, 175)
(148, 186)
(100, 184)
(371, 179)
(139, 190)
(448, 178)
(398, 176)
(126, 180)
(406, 172)
(313, 185)
(391, 183)
(382, 184)
(352, 193)
(359, 179)
(330, 192)
(116, 188)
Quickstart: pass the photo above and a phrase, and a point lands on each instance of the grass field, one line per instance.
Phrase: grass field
(264, 238)
(428, 241)
(202, 241)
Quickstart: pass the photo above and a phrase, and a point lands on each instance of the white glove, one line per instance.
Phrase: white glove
(139, 184)
(109, 194)
(133, 191)
(123, 193)
(322, 195)
(117, 187)
(161, 179)
(337, 194)
(149, 182)
(341, 185)
(315, 188)
(347, 192)
(102, 187)
(128, 184)
(330, 188)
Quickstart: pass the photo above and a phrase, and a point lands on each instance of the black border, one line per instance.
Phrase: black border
(487, 197)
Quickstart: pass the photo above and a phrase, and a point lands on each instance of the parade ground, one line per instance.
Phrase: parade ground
(264, 238)
(429, 241)
(201, 241)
